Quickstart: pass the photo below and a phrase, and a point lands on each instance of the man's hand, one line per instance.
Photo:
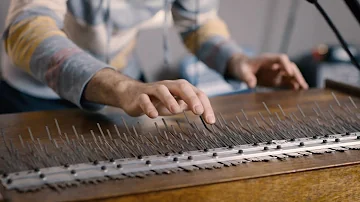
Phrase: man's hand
(271, 70)
(153, 99)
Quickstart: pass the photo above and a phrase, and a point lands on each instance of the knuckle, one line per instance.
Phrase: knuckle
(142, 98)
(193, 98)
(169, 98)
(184, 86)
(160, 88)
(182, 82)
(201, 94)
(166, 81)
(283, 57)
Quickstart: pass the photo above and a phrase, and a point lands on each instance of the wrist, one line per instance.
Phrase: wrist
(234, 62)
(107, 87)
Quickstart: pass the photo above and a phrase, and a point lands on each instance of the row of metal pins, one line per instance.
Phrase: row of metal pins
(134, 142)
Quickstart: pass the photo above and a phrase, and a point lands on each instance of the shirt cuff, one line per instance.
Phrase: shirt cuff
(217, 51)
(76, 73)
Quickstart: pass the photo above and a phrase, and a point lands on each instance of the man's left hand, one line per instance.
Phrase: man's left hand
(270, 70)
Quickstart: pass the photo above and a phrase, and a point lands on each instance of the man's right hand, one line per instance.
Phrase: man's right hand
(161, 98)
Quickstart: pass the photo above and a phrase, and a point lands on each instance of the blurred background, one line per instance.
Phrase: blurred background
(256, 24)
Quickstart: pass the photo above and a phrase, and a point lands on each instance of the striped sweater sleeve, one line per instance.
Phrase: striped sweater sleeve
(35, 42)
(204, 33)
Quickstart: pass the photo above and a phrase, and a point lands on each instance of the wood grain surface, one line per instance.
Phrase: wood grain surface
(314, 178)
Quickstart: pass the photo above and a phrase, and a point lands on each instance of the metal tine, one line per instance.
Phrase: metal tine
(109, 134)
(58, 127)
(126, 126)
(173, 129)
(337, 101)
(196, 128)
(238, 120)
(267, 109)
(208, 137)
(41, 147)
(55, 143)
(348, 110)
(219, 121)
(238, 132)
(278, 117)
(282, 111)
(352, 102)
(166, 126)
(204, 124)
(157, 128)
(21, 141)
(231, 136)
(75, 132)
(110, 147)
(301, 111)
(48, 133)
(320, 111)
(101, 131)
(135, 132)
(93, 135)
(31, 135)
(178, 123)
(187, 119)
(117, 131)
(102, 151)
(244, 114)
(317, 114)
(67, 139)
(263, 119)
(222, 117)
(83, 139)
(100, 140)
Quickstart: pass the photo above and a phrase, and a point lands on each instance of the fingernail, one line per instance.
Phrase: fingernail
(174, 109)
(198, 109)
(210, 119)
(152, 114)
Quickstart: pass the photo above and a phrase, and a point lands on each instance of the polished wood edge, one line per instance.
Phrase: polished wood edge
(343, 87)
(135, 186)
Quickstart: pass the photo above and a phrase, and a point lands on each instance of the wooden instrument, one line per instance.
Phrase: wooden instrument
(291, 167)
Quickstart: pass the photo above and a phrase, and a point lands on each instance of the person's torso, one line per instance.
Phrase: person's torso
(106, 29)
(108, 26)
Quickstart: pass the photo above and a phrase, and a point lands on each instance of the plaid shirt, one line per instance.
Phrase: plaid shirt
(54, 47)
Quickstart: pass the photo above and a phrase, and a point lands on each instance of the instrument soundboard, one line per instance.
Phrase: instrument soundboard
(278, 146)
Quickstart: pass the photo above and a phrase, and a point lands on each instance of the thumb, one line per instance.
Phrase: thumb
(247, 75)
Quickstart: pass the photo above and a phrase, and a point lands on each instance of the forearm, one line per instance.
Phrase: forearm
(38, 46)
(210, 39)
(211, 43)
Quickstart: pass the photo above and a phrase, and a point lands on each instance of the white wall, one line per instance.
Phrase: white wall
(256, 23)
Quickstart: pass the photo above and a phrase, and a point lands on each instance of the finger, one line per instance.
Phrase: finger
(299, 77)
(275, 67)
(185, 91)
(183, 105)
(165, 112)
(162, 93)
(286, 64)
(295, 84)
(147, 106)
(208, 111)
(246, 75)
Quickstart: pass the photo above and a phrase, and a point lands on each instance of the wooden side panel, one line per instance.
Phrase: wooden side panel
(286, 176)
(272, 181)
(337, 184)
